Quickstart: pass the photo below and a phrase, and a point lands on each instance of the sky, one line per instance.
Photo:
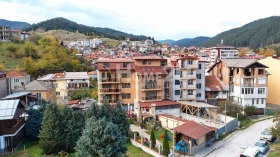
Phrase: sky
(161, 19)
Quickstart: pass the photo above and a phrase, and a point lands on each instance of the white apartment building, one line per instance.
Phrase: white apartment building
(200, 81)
(223, 52)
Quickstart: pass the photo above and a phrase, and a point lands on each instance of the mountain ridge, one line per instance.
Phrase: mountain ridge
(17, 25)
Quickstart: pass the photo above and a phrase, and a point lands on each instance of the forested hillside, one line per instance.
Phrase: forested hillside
(186, 42)
(65, 24)
(256, 34)
(14, 24)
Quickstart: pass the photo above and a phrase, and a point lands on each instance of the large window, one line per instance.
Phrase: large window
(38, 95)
(260, 71)
(125, 95)
(177, 72)
(261, 90)
(190, 82)
(198, 76)
(190, 62)
(198, 85)
(125, 65)
(199, 66)
(125, 85)
(190, 92)
(177, 82)
(177, 92)
(16, 80)
(247, 90)
(198, 95)
(125, 75)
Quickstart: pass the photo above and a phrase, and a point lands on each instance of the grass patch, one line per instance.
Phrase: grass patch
(245, 123)
(275, 150)
(159, 133)
(110, 42)
(133, 151)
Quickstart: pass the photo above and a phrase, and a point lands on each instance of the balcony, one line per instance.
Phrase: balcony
(110, 91)
(151, 98)
(110, 80)
(193, 66)
(188, 97)
(150, 87)
(248, 84)
(13, 129)
(187, 77)
(76, 88)
(193, 86)
(110, 101)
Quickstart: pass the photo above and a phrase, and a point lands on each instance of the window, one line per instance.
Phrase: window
(106, 86)
(262, 101)
(190, 62)
(15, 87)
(261, 90)
(198, 95)
(106, 65)
(198, 76)
(16, 80)
(199, 66)
(253, 101)
(38, 95)
(198, 86)
(190, 82)
(260, 71)
(125, 85)
(177, 82)
(177, 92)
(125, 95)
(190, 72)
(57, 93)
(190, 92)
(144, 62)
(177, 72)
(125, 65)
(248, 90)
(257, 101)
(125, 75)
(224, 92)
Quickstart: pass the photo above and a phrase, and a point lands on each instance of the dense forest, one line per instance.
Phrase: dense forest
(259, 33)
(65, 24)
(39, 56)
(14, 24)
(186, 42)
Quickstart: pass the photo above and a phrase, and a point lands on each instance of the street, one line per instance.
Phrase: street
(233, 146)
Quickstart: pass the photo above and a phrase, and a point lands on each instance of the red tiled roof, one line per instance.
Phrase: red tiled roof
(73, 102)
(213, 84)
(158, 103)
(150, 70)
(116, 60)
(193, 129)
(16, 74)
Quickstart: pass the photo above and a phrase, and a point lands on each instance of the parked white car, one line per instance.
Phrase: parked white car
(262, 145)
(266, 135)
(251, 152)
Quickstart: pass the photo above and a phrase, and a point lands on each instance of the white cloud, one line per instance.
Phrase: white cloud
(159, 18)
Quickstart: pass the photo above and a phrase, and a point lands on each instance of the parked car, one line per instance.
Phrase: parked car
(266, 135)
(251, 152)
(262, 146)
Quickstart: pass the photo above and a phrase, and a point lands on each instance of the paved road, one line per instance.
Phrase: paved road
(234, 145)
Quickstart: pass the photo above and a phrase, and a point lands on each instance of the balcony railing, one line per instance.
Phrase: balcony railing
(13, 129)
(76, 88)
(194, 66)
(110, 90)
(151, 87)
(110, 101)
(193, 86)
(248, 84)
(188, 77)
(151, 98)
(110, 80)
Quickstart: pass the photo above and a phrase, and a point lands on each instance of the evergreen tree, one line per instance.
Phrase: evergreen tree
(105, 110)
(51, 135)
(153, 138)
(119, 118)
(93, 111)
(34, 122)
(100, 138)
(165, 149)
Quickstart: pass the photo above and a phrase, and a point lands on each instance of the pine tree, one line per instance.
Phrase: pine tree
(93, 110)
(153, 138)
(165, 149)
(105, 110)
(119, 118)
(34, 122)
(51, 135)
(100, 138)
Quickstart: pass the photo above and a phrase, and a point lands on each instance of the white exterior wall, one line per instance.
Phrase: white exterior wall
(229, 54)
(175, 87)
(201, 81)
(170, 111)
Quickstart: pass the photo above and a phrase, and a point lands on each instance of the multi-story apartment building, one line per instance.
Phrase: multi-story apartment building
(5, 33)
(223, 52)
(17, 79)
(200, 80)
(188, 80)
(3, 84)
(246, 80)
(116, 81)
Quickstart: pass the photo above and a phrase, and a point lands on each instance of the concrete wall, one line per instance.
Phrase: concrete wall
(3, 87)
(170, 111)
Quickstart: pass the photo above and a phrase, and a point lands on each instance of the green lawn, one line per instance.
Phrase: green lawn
(159, 133)
(133, 151)
(245, 123)
(34, 150)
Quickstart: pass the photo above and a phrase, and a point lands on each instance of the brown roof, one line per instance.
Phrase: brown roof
(212, 83)
(158, 103)
(16, 74)
(58, 76)
(193, 129)
(73, 102)
(150, 70)
(118, 60)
